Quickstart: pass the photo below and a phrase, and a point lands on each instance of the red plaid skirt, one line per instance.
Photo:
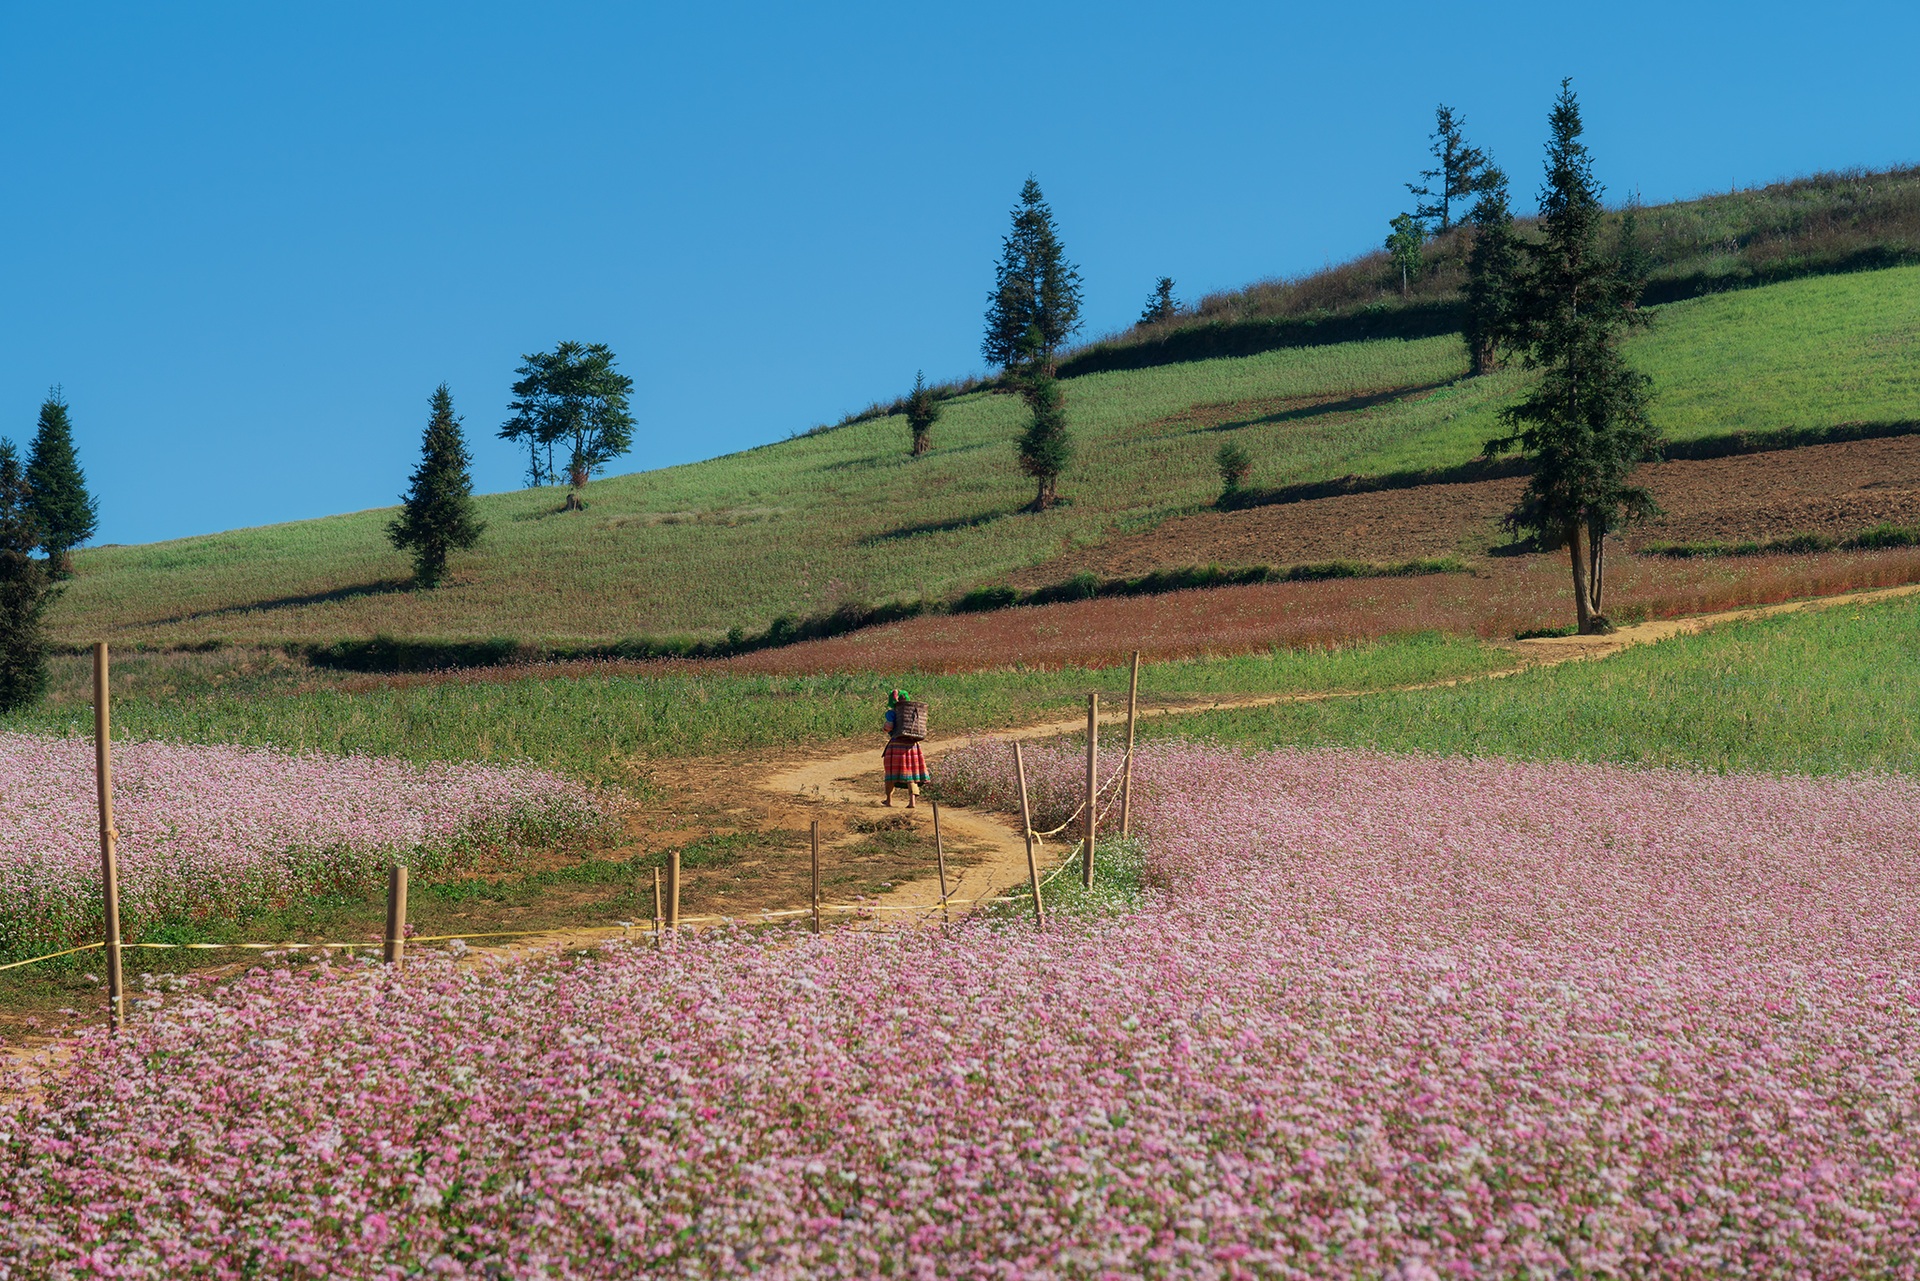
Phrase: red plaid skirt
(904, 762)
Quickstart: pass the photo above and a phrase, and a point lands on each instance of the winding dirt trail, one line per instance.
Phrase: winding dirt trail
(853, 778)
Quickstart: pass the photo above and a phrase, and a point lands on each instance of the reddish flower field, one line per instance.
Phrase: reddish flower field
(1505, 596)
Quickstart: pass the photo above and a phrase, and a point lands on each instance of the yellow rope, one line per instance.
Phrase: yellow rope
(836, 908)
(85, 947)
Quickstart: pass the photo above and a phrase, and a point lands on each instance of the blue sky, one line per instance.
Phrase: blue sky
(249, 240)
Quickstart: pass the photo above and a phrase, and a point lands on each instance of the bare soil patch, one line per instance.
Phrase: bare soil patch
(1837, 489)
(1503, 597)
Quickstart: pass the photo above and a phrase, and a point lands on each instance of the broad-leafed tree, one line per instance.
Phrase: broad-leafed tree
(574, 400)
(1404, 243)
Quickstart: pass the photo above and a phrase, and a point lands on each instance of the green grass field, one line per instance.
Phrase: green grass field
(604, 728)
(805, 525)
(1824, 692)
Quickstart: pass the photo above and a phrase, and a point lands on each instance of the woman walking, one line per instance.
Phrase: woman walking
(903, 762)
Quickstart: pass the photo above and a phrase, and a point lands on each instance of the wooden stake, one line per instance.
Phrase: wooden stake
(1126, 769)
(816, 876)
(1026, 825)
(397, 915)
(1093, 790)
(658, 916)
(940, 861)
(673, 891)
(109, 861)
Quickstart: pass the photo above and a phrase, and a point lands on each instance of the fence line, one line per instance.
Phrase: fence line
(763, 917)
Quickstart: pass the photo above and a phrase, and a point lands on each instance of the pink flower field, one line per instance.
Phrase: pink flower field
(220, 831)
(1381, 1017)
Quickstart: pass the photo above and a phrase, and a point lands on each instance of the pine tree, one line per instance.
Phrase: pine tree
(25, 589)
(1160, 304)
(1035, 287)
(1586, 426)
(1235, 465)
(1403, 247)
(1459, 170)
(1493, 269)
(923, 411)
(65, 511)
(1632, 260)
(1046, 447)
(436, 514)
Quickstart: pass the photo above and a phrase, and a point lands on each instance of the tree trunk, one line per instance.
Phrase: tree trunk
(1597, 575)
(1577, 553)
(922, 441)
(1484, 357)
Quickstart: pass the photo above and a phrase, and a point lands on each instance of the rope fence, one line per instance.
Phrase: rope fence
(666, 917)
(764, 917)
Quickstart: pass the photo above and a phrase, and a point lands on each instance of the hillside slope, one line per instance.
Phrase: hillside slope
(844, 515)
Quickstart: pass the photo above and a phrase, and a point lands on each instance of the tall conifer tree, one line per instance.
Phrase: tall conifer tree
(25, 588)
(436, 514)
(923, 411)
(1458, 170)
(1046, 447)
(1160, 303)
(1493, 267)
(1586, 426)
(1035, 287)
(65, 511)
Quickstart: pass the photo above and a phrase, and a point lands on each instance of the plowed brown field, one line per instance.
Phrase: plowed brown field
(1830, 489)
(1506, 595)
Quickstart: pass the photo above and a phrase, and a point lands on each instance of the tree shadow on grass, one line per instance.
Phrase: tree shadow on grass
(382, 587)
(1324, 408)
(936, 527)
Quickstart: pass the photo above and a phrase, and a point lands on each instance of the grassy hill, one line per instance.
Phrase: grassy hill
(843, 515)
(1818, 225)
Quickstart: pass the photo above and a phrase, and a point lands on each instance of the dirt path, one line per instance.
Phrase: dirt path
(852, 779)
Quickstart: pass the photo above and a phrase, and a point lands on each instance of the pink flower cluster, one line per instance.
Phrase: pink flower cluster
(1383, 1017)
(221, 831)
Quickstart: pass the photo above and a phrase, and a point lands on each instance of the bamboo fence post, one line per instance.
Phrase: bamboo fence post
(673, 892)
(816, 874)
(1126, 768)
(396, 948)
(1093, 790)
(658, 916)
(940, 861)
(109, 860)
(1026, 825)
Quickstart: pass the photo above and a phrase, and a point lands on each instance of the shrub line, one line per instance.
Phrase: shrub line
(398, 654)
(1878, 538)
(1731, 445)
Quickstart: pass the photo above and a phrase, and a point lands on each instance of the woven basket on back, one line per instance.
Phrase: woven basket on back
(910, 720)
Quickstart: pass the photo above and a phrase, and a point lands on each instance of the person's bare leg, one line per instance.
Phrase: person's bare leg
(888, 801)
(913, 796)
